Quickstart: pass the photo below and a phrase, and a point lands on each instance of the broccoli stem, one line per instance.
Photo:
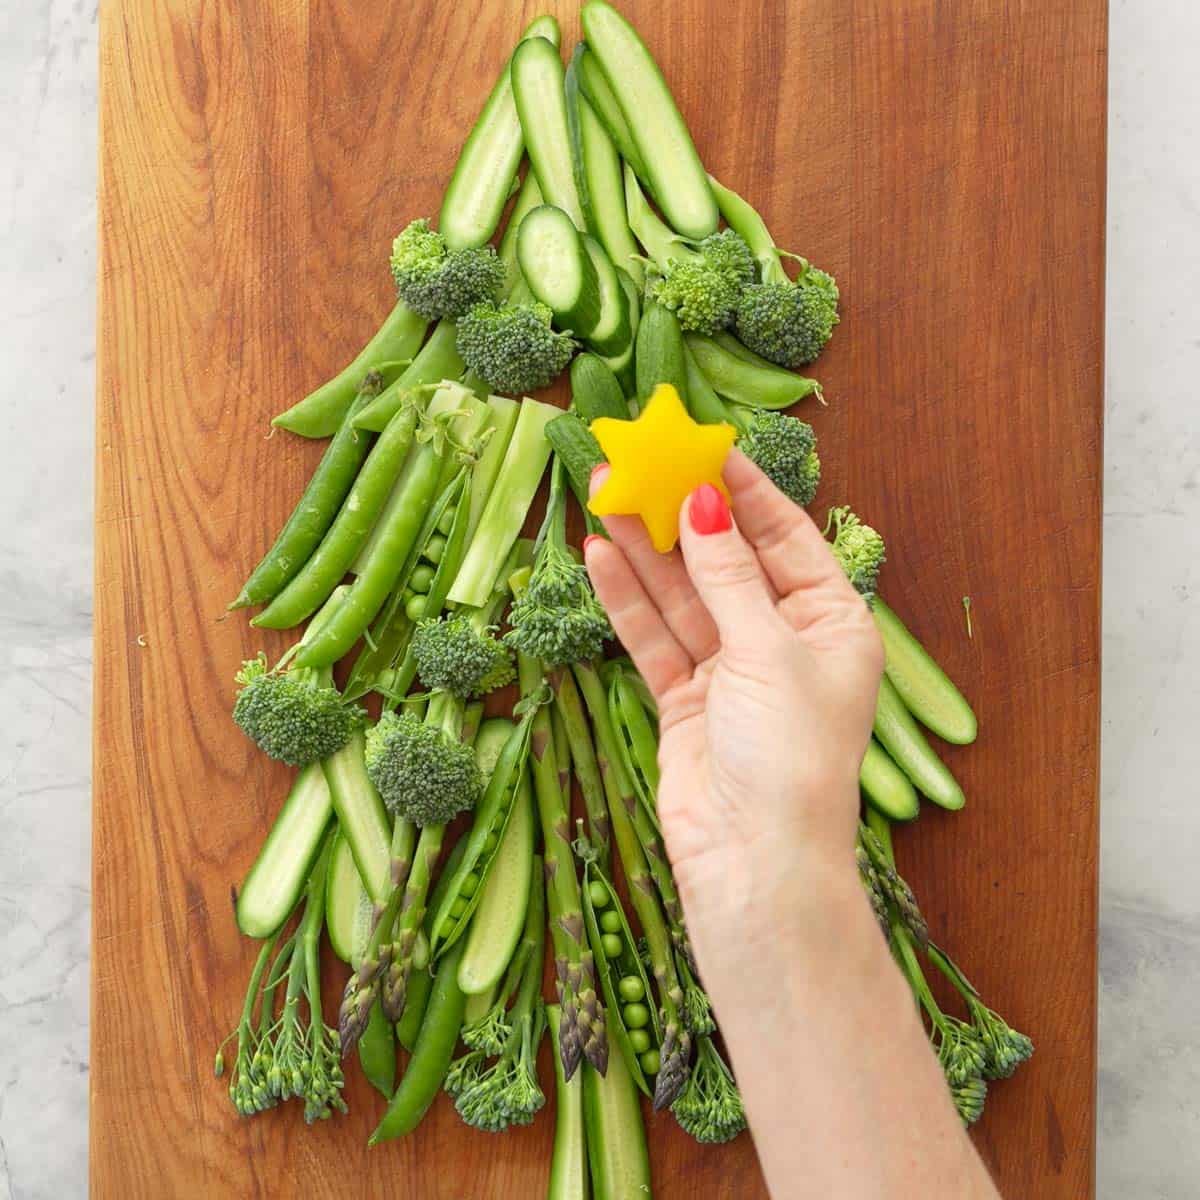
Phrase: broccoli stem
(676, 1044)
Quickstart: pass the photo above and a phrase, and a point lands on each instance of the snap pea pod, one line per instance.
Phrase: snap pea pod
(420, 987)
(378, 576)
(437, 360)
(377, 1052)
(637, 742)
(320, 413)
(344, 538)
(317, 507)
(756, 384)
(431, 1055)
(483, 842)
(622, 977)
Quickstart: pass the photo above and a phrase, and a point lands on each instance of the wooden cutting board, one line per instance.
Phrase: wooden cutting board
(946, 161)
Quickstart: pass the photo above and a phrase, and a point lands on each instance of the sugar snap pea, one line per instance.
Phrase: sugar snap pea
(637, 742)
(438, 359)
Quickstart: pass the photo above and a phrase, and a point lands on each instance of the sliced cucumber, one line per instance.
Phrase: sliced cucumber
(622, 364)
(673, 168)
(560, 272)
(348, 908)
(904, 741)
(273, 884)
(616, 1135)
(528, 198)
(568, 1165)
(927, 691)
(886, 787)
(500, 914)
(488, 161)
(361, 816)
(612, 332)
(595, 87)
(538, 80)
(598, 179)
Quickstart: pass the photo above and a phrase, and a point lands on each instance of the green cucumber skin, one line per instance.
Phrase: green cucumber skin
(579, 313)
(273, 884)
(886, 786)
(622, 365)
(677, 176)
(348, 908)
(612, 332)
(618, 1159)
(660, 352)
(902, 738)
(595, 390)
(479, 188)
(927, 691)
(595, 86)
(361, 816)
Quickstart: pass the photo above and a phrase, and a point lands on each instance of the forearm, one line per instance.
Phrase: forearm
(843, 1093)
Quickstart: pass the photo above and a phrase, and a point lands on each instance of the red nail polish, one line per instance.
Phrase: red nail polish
(708, 511)
(587, 541)
(597, 469)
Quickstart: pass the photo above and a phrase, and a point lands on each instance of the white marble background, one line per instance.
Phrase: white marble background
(1149, 1135)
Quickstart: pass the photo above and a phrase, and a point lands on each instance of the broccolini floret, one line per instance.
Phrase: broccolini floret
(710, 1106)
(859, 549)
(513, 348)
(438, 282)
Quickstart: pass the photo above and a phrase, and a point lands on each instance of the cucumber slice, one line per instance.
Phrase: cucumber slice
(595, 87)
(927, 691)
(618, 1159)
(488, 161)
(904, 741)
(500, 915)
(528, 198)
(622, 364)
(361, 816)
(273, 884)
(538, 81)
(598, 176)
(612, 332)
(673, 168)
(886, 787)
(348, 908)
(559, 271)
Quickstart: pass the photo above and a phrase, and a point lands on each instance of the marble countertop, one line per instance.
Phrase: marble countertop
(1150, 911)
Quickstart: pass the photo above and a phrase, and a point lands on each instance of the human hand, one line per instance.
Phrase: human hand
(765, 664)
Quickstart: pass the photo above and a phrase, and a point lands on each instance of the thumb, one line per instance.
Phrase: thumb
(726, 572)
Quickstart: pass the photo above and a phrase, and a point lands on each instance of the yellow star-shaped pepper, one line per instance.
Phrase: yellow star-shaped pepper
(657, 462)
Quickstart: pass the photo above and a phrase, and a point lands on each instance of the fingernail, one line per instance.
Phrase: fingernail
(587, 541)
(708, 511)
(599, 473)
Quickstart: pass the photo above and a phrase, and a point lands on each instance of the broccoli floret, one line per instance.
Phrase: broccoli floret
(420, 772)
(858, 548)
(556, 617)
(512, 347)
(452, 655)
(293, 716)
(437, 282)
(702, 286)
(710, 1106)
(784, 449)
(507, 1093)
(789, 323)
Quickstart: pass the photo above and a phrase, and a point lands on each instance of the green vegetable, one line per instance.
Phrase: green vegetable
(637, 739)
(361, 818)
(317, 507)
(595, 86)
(595, 390)
(408, 1028)
(437, 361)
(349, 912)
(558, 269)
(761, 384)
(710, 1107)
(528, 198)
(613, 331)
(926, 690)
(700, 285)
(622, 364)
(672, 166)
(660, 349)
(321, 412)
(377, 1052)
(431, 1055)
(904, 741)
(577, 451)
(886, 786)
(568, 1166)
(789, 322)
(859, 550)
(616, 1137)
(512, 347)
(437, 281)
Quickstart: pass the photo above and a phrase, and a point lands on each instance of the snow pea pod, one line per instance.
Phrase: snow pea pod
(437, 360)
(320, 413)
(317, 507)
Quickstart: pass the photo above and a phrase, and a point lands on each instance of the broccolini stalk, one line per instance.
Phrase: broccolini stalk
(582, 1026)
(622, 799)
(710, 1106)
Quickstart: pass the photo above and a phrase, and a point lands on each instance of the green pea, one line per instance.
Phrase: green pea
(650, 1062)
(446, 520)
(598, 894)
(490, 842)
(458, 907)
(630, 988)
(610, 921)
(470, 884)
(637, 1016)
(612, 946)
(414, 609)
(639, 1039)
(435, 548)
(421, 579)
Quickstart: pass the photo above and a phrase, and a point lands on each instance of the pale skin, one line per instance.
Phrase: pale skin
(765, 664)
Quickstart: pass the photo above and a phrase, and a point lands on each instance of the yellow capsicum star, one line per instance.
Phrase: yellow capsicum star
(657, 462)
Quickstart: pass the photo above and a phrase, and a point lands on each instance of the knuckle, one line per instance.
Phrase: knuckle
(733, 571)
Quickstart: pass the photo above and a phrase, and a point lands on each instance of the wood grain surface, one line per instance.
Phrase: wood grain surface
(944, 160)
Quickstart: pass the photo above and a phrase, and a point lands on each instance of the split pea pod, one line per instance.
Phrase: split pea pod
(632, 1015)
(317, 507)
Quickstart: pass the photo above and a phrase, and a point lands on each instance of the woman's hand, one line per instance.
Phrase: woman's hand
(765, 664)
